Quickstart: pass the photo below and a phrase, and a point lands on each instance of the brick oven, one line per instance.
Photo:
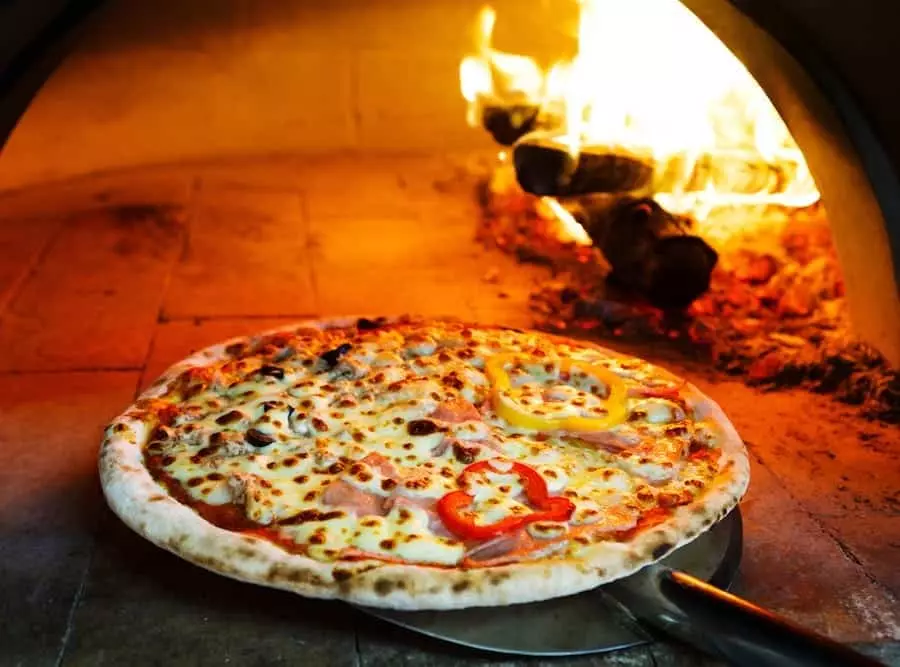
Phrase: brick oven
(176, 173)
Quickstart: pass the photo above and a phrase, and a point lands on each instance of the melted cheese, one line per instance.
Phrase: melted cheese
(273, 433)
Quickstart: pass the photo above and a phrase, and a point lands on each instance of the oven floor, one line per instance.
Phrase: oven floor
(106, 280)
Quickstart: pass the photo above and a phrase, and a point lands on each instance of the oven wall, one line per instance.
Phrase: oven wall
(172, 80)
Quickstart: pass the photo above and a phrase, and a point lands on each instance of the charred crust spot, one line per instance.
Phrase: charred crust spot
(461, 586)
(215, 476)
(319, 424)
(384, 586)
(387, 544)
(156, 498)
(388, 484)
(341, 575)
(336, 468)
(497, 578)
(290, 462)
(236, 349)
(301, 479)
(294, 575)
(398, 421)
(661, 550)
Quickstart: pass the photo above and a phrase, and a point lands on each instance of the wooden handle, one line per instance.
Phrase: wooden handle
(749, 635)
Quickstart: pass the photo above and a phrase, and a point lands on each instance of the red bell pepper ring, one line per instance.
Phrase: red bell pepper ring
(452, 507)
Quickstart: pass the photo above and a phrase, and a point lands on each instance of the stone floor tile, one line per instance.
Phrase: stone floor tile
(246, 255)
(92, 301)
(173, 341)
(50, 501)
(874, 540)
(49, 435)
(21, 242)
(183, 615)
(374, 292)
(794, 567)
(156, 186)
(276, 174)
(388, 244)
(832, 469)
(433, 190)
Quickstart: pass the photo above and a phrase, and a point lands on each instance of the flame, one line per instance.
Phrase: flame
(569, 227)
(650, 77)
(491, 77)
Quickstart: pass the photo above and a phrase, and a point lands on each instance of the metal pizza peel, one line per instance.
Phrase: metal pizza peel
(682, 596)
(591, 622)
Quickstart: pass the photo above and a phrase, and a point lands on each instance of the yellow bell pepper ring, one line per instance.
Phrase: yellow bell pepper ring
(504, 396)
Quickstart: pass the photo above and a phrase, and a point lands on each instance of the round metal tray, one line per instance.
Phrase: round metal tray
(592, 622)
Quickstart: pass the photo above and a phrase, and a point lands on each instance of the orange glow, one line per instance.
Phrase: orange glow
(651, 78)
(569, 229)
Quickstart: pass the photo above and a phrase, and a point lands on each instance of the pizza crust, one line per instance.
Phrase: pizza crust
(146, 507)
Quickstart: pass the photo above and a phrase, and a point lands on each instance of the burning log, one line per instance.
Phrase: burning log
(651, 252)
(508, 124)
(546, 167)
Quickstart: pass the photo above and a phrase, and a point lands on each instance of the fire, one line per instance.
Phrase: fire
(490, 77)
(569, 228)
(650, 78)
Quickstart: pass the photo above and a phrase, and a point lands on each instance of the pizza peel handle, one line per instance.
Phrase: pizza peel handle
(748, 635)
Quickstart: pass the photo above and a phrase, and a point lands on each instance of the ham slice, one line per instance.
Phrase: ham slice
(382, 464)
(514, 547)
(455, 411)
(346, 496)
(611, 441)
(612, 520)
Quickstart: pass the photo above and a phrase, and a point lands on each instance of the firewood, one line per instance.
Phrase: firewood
(507, 124)
(546, 166)
(652, 252)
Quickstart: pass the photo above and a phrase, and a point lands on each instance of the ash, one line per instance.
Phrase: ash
(775, 314)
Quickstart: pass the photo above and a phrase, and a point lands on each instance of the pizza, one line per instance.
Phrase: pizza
(420, 464)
